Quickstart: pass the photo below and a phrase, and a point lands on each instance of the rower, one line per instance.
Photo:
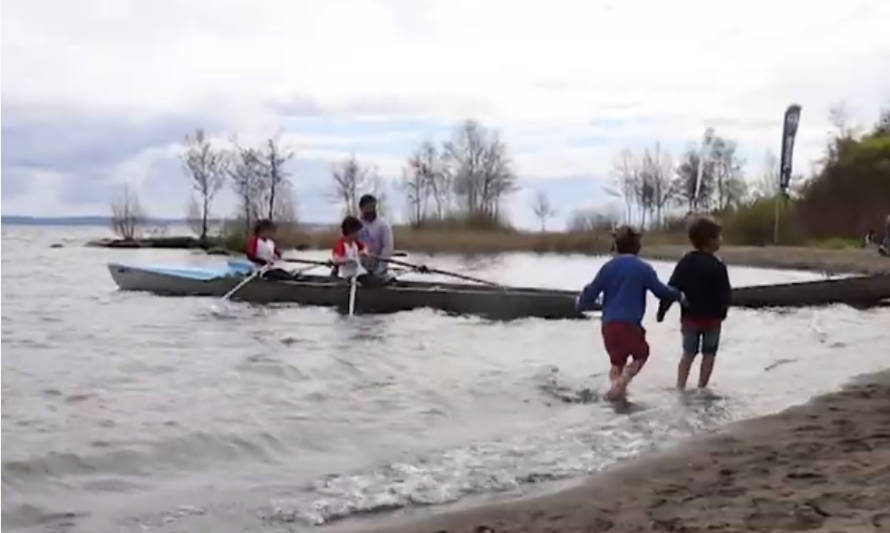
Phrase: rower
(349, 251)
(262, 250)
(377, 236)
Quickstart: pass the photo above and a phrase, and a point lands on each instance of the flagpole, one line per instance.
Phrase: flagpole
(705, 142)
(789, 130)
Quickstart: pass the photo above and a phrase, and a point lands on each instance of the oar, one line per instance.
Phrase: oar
(247, 280)
(425, 269)
(352, 295)
(308, 262)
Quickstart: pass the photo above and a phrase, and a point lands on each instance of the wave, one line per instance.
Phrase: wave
(191, 451)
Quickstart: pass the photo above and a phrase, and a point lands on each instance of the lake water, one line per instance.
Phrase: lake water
(133, 412)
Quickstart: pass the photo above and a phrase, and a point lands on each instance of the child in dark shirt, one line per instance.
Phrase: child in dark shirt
(703, 279)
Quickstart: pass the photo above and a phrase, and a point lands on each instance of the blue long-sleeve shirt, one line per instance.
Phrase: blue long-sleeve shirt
(624, 281)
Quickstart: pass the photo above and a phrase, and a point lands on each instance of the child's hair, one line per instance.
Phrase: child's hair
(627, 240)
(703, 230)
(350, 224)
(366, 199)
(263, 225)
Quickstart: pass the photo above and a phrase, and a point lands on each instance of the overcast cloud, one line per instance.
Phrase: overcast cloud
(96, 94)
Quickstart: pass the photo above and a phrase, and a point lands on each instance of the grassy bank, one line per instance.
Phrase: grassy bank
(469, 241)
(832, 256)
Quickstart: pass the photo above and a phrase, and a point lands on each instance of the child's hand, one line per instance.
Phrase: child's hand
(683, 301)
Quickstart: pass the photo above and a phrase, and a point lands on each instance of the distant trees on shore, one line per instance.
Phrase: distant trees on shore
(649, 183)
(257, 176)
(127, 214)
(463, 181)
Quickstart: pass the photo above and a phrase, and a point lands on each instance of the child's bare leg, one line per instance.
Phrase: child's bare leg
(707, 366)
(683, 370)
(615, 374)
(628, 374)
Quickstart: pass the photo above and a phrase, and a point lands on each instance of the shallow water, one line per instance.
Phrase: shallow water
(133, 412)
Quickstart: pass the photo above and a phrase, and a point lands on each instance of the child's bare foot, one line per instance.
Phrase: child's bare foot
(615, 393)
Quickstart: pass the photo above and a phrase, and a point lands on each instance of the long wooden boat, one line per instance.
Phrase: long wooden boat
(859, 291)
(493, 302)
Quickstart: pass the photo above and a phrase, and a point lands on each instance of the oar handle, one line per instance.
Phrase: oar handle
(308, 262)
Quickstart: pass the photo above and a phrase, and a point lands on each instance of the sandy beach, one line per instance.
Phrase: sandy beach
(823, 466)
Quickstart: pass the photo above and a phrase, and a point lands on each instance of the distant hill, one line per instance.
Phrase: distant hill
(17, 220)
(73, 221)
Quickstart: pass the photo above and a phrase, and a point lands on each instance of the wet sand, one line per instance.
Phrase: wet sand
(845, 261)
(823, 466)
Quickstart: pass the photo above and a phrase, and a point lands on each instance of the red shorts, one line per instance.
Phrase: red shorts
(625, 340)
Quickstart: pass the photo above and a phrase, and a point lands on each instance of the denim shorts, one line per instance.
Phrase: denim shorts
(697, 340)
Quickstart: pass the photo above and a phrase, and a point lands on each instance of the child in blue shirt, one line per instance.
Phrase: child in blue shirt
(623, 281)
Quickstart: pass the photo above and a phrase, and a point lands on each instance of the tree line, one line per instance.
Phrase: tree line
(650, 184)
(463, 179)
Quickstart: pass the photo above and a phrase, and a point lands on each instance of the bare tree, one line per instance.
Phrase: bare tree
(350, 177)
(656, 171)
(625, 176)
(839, 116)
(271, 160)
(542, 209)
(686, 175)
(590, 219)
(416, 183)
(206, 169)
(730, 185)
(440, 182)
(481, 168)
(127, 214)
(193, 215)
(767, 185)
(245, 172)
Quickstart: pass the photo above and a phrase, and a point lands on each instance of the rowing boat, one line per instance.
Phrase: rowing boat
(502, 303)
(492, 302)
(859, 291)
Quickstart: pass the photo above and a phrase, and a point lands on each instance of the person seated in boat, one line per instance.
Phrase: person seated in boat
(377, 236)
(624, 281)
(349, 250)
(263, 252)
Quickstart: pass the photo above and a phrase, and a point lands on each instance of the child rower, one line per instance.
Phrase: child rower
(262, 250)
(349, 251)
(624, 280)
(261, 247)
(702, 277)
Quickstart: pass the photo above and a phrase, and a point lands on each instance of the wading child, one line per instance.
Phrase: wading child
(349, 251)
(704, 281)
(624, 281)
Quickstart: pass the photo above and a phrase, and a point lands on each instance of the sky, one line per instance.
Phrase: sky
(97, 94)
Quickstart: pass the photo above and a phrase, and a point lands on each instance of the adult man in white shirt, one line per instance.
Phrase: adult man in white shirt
(376, 236)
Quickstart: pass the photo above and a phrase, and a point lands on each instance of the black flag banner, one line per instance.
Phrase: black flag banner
(792, 117)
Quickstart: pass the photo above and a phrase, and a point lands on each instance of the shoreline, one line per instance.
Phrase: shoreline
(823, 465)
(843, 261)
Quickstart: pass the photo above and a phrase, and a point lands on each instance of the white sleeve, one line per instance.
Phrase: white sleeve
(386, 241)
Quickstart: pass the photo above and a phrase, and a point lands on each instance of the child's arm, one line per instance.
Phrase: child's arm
(665, 305)
(659, 289)
(587, 298)
(725, 291)
(338, 254)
